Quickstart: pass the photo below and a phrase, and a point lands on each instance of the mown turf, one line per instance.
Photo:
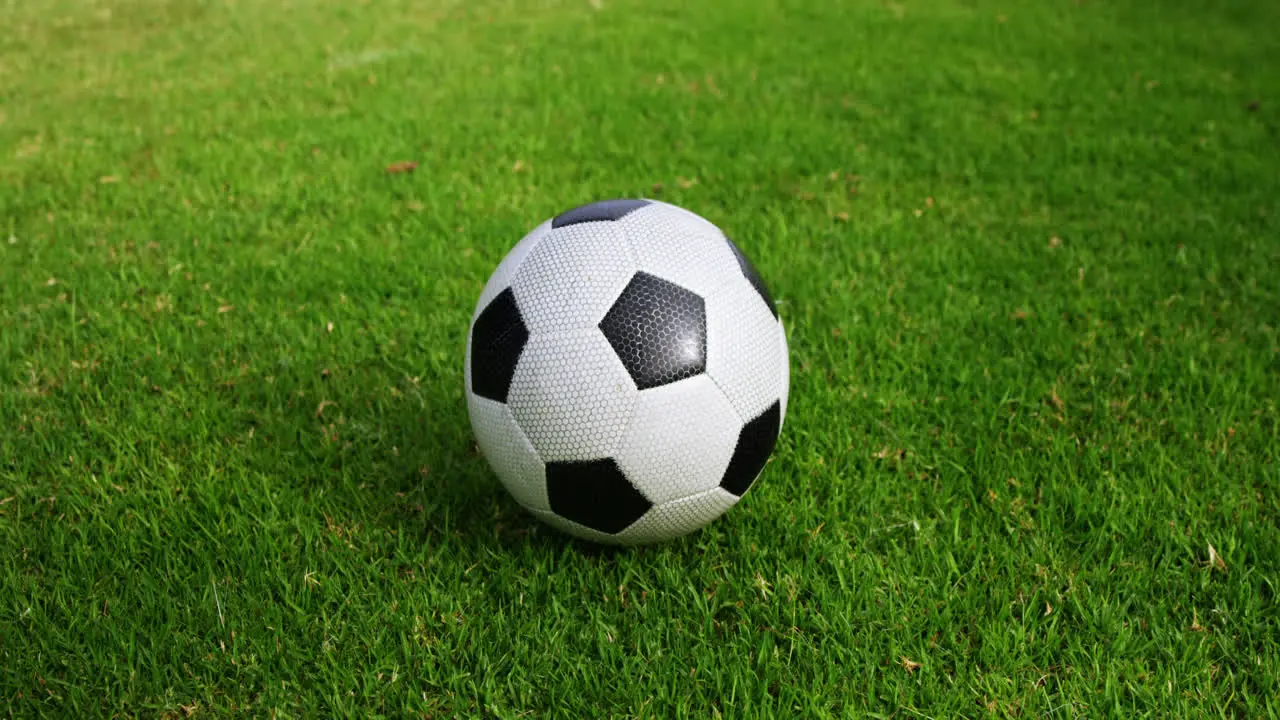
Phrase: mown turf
(1029, 259)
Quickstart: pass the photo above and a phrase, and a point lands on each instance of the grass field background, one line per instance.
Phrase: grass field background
(1028, 255)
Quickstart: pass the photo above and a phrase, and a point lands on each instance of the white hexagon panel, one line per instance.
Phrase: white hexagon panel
(570, 278)
(677, 245)
(513, 457)
(505, 272)
(786, 373)
(678, 517)
(697, 429)
(627, 373)
(572, 396)
(745, 354)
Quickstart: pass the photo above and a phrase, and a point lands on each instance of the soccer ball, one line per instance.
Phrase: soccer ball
(626, 372)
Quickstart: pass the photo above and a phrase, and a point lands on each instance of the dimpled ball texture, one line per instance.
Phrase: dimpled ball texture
(626, 372)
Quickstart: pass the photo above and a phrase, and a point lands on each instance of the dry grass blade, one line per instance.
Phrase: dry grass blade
(1215, 560)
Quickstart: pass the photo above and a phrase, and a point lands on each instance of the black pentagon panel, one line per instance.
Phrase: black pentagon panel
(598, 211)
(755, 444)
(753, 277)
(497, 339)
(594, 493)
(659, 331)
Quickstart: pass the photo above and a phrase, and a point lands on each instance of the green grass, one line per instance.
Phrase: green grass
(1028, 255)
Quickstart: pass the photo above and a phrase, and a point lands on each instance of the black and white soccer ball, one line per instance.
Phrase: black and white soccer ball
(626, 372)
